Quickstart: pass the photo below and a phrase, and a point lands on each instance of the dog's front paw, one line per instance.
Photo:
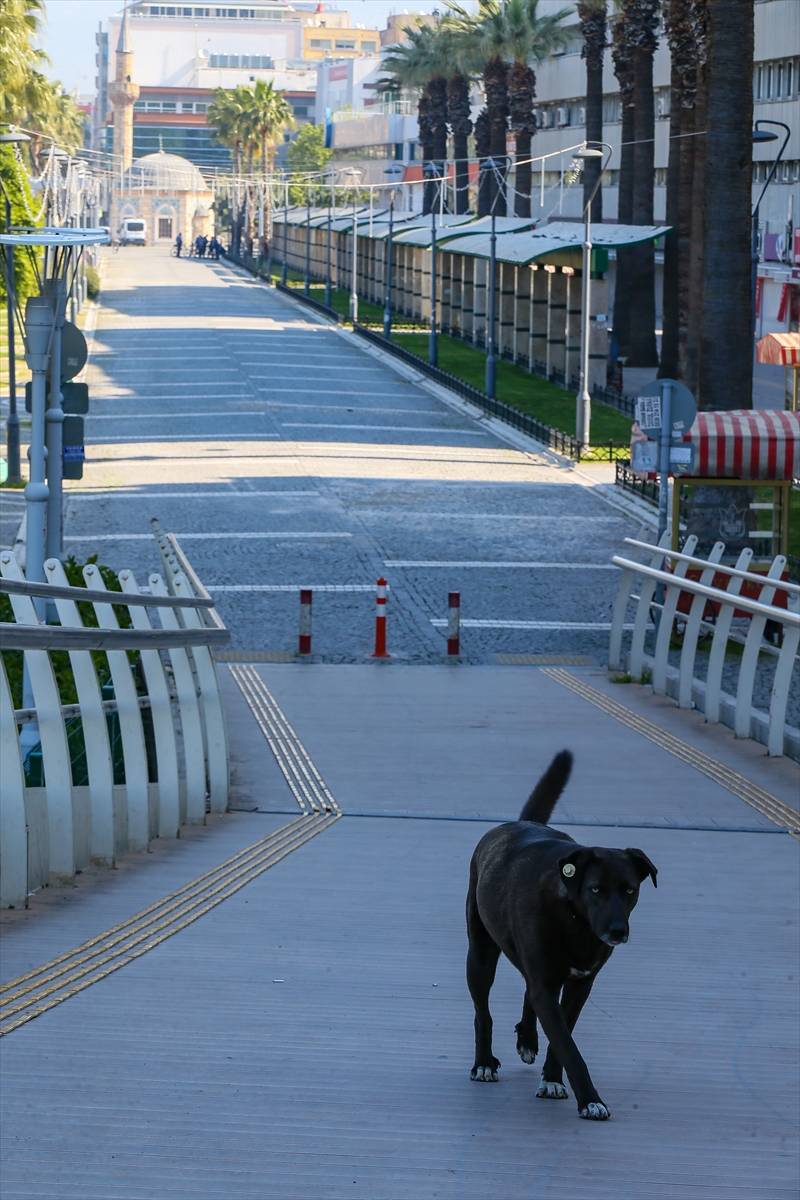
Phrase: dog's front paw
(596, 1111)
(485, 1074)
(549, 1090)
(527, 1047)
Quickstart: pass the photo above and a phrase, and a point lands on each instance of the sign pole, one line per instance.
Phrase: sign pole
(663, 466)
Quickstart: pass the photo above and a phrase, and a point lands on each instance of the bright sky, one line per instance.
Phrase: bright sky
(72, 24)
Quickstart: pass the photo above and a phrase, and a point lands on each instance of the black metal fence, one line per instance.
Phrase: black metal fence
(317, 305)
(564, 443)
(647, 489)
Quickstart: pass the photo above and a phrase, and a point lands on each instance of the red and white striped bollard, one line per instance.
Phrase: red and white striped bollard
(453, 621)
(380, 621)
(305, 620)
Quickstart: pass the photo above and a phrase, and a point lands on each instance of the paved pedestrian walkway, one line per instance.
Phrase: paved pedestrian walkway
(294, 1021)
(284, 453)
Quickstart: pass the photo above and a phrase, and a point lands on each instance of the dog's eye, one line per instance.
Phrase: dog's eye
(631, 891)
(594, 889)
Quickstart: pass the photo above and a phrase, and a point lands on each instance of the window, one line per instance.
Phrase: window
(200, 108)
(769, 82)
(778, 80)
(789, 74)
(233, 60)
(345, 45)
(169, 106)
(320, 43)
(154, 106)
(368, 47)
(165, 227)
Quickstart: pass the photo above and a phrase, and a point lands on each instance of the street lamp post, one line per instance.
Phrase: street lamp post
(433, 341)
(307, 278)
(12, 425)
(583, 407)
(285, 233)
(355, 175)
(328, 254)
(491, 356)
(762, 135)
(387, 311)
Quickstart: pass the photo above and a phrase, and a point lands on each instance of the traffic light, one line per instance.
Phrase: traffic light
(75, 397)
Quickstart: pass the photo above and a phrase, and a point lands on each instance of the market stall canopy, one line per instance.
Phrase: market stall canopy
(746, 444)
(450, 226)
(526, 246)
(780, 349)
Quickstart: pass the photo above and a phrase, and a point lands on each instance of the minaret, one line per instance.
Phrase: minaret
(123, 94)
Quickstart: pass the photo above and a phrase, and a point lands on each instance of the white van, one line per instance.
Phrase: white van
(133, 232)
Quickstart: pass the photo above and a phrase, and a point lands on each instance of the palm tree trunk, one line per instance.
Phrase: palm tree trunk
(495, 82)
(521, 94)
(691, 372)
(483, 149)
(437, 92)
(687, 144)
(426, 143)
(668, 368)
(593, 28)
(726, 340)
(623, 69)
(458, 118)
(643, 351)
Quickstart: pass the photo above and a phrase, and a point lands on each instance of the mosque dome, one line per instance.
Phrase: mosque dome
(163, 172)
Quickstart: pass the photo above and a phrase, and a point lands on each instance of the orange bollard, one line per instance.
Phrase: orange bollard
(305, 620)
(380, 621)
(453, 621)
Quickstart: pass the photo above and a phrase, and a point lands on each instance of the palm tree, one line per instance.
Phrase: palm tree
(698, 13)
(592, 18)
(483, 149)
(269, 114)
(622, 55)
(460, 123)
(20, 24)
(726, 344)
(641, 17)
(681, 122)
(226, 114)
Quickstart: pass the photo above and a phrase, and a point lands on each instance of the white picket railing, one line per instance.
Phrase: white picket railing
(680, 682)
(49, 833)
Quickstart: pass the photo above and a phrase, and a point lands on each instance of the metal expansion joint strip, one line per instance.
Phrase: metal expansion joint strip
(305, 781)
(770, 806)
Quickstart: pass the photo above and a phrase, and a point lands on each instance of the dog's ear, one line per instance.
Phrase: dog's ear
(572, 867)
(643, 865)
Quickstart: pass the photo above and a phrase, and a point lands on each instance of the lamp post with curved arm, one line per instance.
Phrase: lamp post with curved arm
(355, 175)
(393, 173)
(583, 408)
(763, 135)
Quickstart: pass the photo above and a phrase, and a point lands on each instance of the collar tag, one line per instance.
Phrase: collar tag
(568, 870)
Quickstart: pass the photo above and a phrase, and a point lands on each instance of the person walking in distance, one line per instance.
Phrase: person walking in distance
(178, 244)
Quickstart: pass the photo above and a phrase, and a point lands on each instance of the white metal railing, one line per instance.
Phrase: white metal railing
(49, 832)
(726, 602)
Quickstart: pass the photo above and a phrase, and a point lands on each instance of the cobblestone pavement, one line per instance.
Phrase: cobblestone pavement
(283, 453)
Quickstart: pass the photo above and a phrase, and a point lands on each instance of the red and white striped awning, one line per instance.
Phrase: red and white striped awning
(746, 444)
(780, 349)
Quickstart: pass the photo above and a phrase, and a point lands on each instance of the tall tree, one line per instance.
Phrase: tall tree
(460, 122)
(529, 38)
(418, 66)
(592, 18)
(622, 55)
(483, 149)
(642, 19)
(726, 345)
(681, 45)
(691, 355)
(268, 113)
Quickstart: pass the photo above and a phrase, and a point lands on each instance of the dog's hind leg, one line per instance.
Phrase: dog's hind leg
(482, 959)
(527, 1033)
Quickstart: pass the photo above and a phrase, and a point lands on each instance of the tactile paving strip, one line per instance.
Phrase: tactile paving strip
(757, 797)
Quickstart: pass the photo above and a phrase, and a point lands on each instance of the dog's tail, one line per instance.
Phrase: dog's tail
(544, 797)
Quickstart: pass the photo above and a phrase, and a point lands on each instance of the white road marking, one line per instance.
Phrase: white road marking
(454, 516)
(291, 587)
(466, 623)
(216, 413)
(176, 437)
(383, 428)
(539, 566)
(306, 391)
(119, 494)
(143, 537)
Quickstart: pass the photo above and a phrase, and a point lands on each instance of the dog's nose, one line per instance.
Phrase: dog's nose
(618, 935)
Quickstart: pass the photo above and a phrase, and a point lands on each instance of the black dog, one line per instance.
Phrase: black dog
(556, 910)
